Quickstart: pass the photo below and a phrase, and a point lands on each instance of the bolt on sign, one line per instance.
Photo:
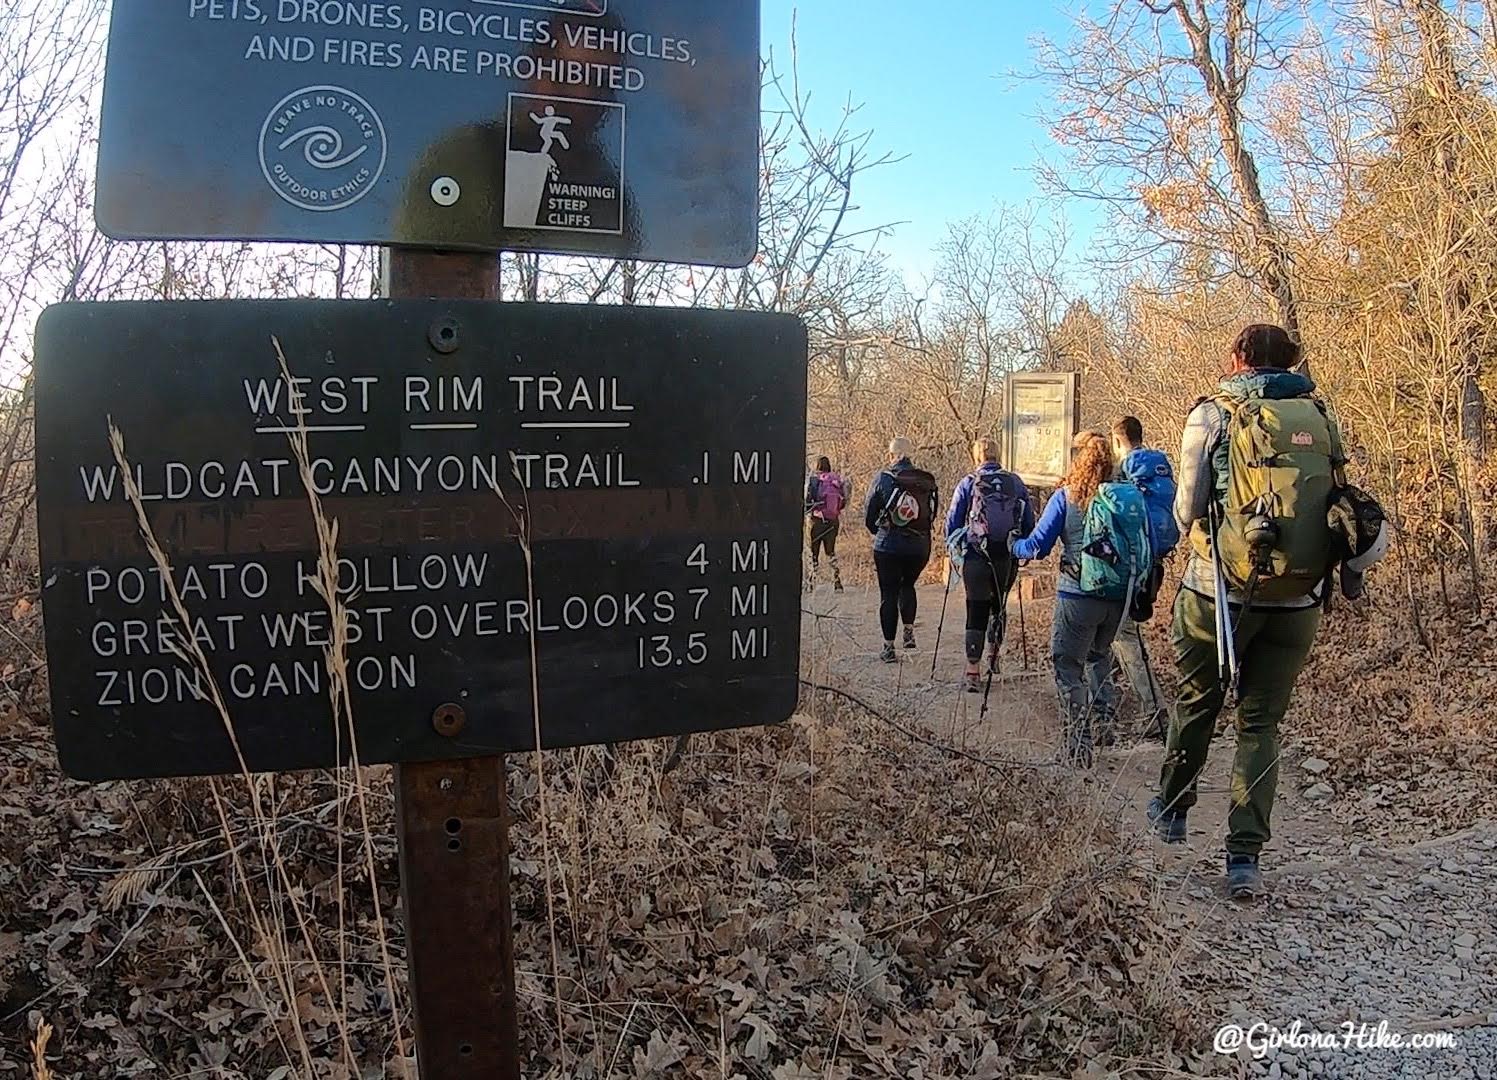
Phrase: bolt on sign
(620, 128)
(650, 459)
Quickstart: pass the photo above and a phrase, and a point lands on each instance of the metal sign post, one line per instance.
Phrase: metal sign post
(452, 825)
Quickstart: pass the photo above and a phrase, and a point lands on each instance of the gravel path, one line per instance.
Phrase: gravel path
(1343, 943)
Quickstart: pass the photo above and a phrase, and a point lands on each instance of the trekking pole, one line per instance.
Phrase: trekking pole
(1023, 631)
(1000, 615)
(1143, 652)
(941, 625)
(1226, 643)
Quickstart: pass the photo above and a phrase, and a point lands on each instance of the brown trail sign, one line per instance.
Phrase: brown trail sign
(650, 458)
(653, 457)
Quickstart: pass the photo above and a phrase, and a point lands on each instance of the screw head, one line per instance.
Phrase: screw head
(445, 335)
(449, 720)
(445, 191)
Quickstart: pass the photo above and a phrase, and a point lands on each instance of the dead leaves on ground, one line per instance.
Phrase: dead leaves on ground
(817, 900)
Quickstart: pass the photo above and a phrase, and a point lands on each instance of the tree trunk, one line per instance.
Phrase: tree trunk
(1474, 419)
(1264, 249)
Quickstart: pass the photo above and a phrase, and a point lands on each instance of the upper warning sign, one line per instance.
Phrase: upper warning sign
(620, 128)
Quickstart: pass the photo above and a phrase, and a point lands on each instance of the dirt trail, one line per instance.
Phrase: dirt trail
(1350, 931)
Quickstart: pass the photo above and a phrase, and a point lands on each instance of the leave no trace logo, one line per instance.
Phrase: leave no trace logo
(322, 148)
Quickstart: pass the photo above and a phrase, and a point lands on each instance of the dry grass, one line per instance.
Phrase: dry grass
(298, 969)
(40, 1070)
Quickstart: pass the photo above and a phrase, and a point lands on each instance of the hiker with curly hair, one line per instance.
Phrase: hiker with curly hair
(1103, 532)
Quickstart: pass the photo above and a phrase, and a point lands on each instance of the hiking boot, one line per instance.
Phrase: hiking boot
(1168, 825)
(972, 682)
(1105, 733)
(993, 659)
(909, 637)
(1078, 749)
(1244, 882)
(887, 656)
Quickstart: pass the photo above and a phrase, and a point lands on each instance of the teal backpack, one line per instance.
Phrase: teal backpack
(1115, 553)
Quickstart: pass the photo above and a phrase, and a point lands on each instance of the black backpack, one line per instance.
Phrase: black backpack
(912, 504)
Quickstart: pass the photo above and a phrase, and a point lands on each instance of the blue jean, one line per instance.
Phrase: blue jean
(1081, 649)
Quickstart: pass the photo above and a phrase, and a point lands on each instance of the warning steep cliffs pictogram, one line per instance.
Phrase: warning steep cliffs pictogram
(564, 166)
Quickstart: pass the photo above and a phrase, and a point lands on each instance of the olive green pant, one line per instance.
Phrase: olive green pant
(1272, 647)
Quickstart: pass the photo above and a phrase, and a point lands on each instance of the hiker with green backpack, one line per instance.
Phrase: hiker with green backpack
(1105, 558)
(1260, 476)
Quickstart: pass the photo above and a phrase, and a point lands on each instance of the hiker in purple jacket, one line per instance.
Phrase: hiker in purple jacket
(989, 504)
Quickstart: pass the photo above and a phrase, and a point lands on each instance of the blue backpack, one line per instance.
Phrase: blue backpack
(1150, 472)
(1116, 559)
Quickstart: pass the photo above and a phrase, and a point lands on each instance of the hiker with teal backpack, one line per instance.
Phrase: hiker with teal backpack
(989, 504)
(1261, 494)
(1103, 529)
(1149, 471)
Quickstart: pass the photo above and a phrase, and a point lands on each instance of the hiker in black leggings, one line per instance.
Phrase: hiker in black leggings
(826, 495)
(900, 514)
(988, 505)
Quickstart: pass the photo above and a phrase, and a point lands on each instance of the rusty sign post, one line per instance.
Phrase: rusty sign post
(452, 825)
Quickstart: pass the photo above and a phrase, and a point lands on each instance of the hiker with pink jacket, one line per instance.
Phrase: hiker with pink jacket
(827, 493)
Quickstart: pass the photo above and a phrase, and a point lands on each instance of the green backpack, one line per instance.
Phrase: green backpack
(1283, 458)
(1115, 552)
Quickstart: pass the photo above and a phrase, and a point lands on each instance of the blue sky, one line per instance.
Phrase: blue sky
(936, 87)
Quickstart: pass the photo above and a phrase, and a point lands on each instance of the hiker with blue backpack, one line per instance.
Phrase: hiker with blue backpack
(1270, 516)
(1149, 471)
(827, 492)
(989, 505)
(1103, 529)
